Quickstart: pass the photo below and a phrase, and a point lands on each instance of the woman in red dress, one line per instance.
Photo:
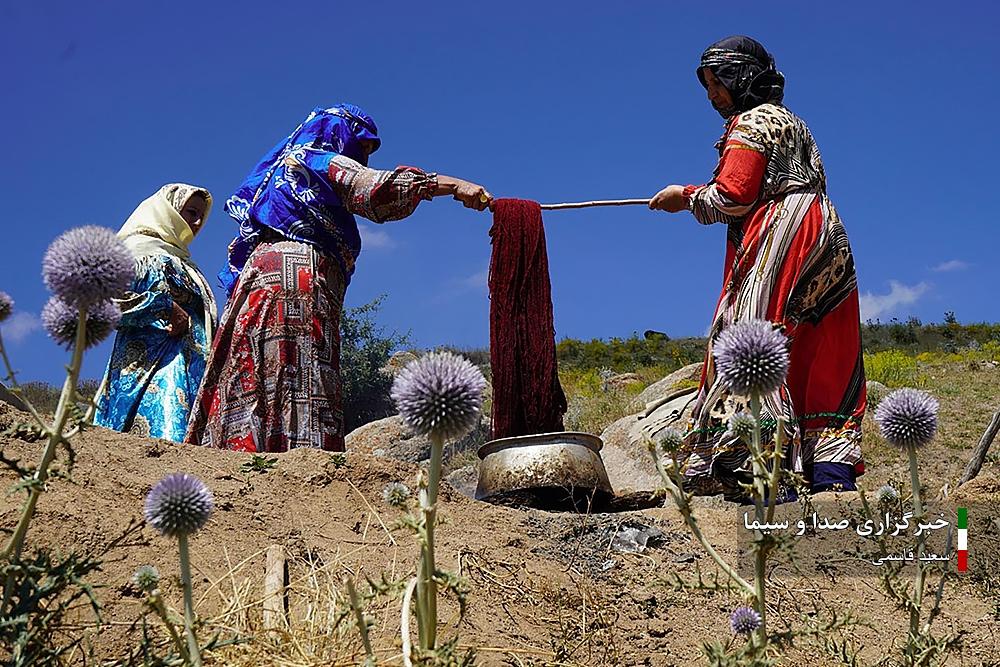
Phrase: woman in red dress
(788, 261)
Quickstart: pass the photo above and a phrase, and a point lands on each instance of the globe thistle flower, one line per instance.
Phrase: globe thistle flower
(751, 356)
(671, 440)
(146, 578)
(439, 394)
(907, 418)
(60, 319)
(88, 265)
(396, 494)
(886, 494)
(741, 425)
(6, 306)
(744, 620)
(179, 504)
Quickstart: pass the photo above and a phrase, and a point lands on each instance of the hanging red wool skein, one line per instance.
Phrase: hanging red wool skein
(527, 396)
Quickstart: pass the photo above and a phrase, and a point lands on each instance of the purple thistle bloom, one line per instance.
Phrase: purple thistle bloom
(751, 356)
(60, 320)
(744, 620)
(179, 504)
(88, 265)
(439, 394)
(907, 418)
(6, 306)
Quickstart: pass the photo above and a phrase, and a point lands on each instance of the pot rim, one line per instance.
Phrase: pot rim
(557, 438)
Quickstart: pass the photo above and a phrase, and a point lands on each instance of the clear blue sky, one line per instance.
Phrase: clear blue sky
(106, 101)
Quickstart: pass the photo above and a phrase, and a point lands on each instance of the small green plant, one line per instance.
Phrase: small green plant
(178, 506)
(259, 464)
(84, 268)
(907, 419)
(751, 359)
(439, 395)
(338, 460)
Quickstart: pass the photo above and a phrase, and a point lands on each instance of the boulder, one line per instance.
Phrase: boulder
(620, 381)
(876, 392)
(465, 479)
(389, 437)
(682, 377)
(626, 455)
(397, 362)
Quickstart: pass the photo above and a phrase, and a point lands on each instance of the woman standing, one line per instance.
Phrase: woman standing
(788, 261)
(273, 381)
(167, 317)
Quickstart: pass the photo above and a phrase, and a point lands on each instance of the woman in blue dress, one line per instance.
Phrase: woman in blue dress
(167, 320)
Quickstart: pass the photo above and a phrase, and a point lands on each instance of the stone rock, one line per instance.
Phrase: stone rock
(465, 479)
(626, 457)
(664, 387)
(389, 437)
(876, 392)
(621, 381)
(397, 362)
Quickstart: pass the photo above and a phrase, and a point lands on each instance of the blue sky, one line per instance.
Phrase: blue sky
(556, 101)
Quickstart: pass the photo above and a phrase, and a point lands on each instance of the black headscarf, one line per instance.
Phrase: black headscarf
(747, 71)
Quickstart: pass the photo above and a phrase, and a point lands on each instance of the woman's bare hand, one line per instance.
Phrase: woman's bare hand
(470, 194)
(669, 199)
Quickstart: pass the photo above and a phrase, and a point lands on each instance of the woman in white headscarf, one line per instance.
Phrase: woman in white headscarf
(167, 320)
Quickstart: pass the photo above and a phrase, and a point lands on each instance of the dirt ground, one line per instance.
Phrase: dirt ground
(544, 588)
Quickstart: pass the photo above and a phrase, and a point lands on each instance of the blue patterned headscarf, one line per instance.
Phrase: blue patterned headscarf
(289, 190)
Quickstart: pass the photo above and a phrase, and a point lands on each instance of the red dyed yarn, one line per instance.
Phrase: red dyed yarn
(527, 396)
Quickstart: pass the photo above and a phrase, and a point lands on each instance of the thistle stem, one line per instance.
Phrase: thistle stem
(759, 499)
(12, 551)
(156, 602)
(918, 512)
(193, 650)
(427, 587)
(775, 478)
(359, 616)
(675, 489)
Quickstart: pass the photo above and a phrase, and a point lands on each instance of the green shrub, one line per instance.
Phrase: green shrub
(45, 397)
(364, 351)
(893, 368)
(629, 354)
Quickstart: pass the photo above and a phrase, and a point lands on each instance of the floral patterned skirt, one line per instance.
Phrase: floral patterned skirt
(273, 378)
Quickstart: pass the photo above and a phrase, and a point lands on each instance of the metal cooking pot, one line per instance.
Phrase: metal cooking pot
(547, 470)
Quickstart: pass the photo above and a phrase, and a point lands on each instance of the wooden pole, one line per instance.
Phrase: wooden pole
(275, 576)
(599, 202)
(979, 454)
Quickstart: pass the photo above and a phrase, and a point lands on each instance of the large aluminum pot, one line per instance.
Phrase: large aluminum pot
(547, 470)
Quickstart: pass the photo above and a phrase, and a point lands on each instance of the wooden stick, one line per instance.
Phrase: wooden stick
(599, 202)
(979, 455)
(274, 588)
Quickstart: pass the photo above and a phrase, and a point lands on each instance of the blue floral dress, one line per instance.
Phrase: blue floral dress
(152, 378)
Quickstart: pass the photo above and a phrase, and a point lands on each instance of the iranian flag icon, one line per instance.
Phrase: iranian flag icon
(963, 539)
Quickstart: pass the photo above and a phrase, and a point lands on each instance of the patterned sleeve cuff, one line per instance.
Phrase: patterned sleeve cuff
(399, 194)
(689, 191)
(380, 195)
